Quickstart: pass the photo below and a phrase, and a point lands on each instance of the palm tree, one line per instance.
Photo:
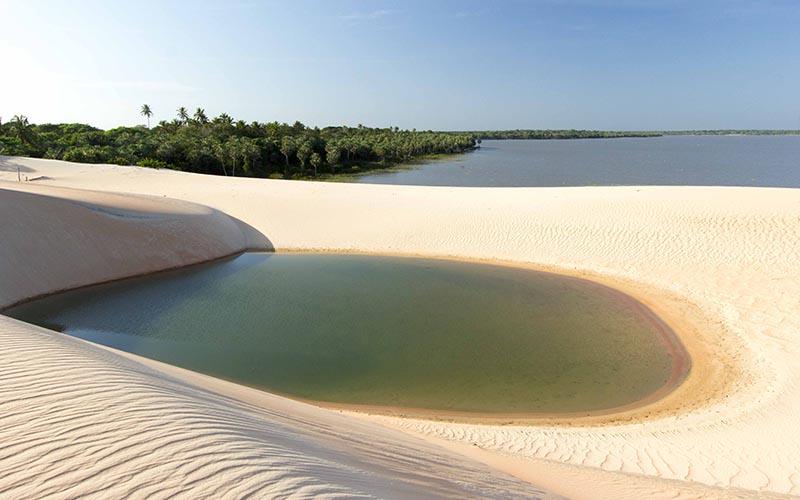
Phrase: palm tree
(234, 147)
(200, 116)
(288, 147)
(22, 130)
(251, 153)
(221, 154)
(332, 154)
(147, 112)
(304, 151)
(224, 119)
(316, 161)
(353, 147)
(183, 115)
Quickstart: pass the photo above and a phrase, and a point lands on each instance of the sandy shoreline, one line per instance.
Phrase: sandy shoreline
(723, 261)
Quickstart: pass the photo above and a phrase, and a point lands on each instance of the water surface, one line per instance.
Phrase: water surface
(387, 331)
(670, 160)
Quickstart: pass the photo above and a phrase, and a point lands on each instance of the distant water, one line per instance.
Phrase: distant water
(382, 331)
(671, 160)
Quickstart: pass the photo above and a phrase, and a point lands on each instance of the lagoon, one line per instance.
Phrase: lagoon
(387, 332)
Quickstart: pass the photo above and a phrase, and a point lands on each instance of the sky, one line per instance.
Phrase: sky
(445, 65)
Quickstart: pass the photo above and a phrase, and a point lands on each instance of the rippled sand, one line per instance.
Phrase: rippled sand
(722, 266)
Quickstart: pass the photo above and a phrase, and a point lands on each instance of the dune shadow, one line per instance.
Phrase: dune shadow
(254, 240)
(7, 164)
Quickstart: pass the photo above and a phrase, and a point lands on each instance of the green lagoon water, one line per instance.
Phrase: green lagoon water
(416, 333)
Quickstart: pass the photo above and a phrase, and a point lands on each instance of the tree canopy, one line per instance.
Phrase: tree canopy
(223, 146)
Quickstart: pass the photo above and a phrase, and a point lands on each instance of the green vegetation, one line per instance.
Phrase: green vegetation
(226, 147)
(222, 146)
(147, 113)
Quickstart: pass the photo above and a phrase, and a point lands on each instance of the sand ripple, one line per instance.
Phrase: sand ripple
(730, 255)
(79, 420)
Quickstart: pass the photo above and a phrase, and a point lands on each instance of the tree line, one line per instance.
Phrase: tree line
(194, 142)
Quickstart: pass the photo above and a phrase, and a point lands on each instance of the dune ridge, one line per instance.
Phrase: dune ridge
(731, 253)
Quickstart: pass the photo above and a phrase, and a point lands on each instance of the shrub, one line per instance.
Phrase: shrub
(152, 163)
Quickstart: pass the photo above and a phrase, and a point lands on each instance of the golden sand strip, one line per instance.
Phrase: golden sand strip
(724, 261)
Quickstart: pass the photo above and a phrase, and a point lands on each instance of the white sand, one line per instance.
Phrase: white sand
(76, 419)
(725, 262)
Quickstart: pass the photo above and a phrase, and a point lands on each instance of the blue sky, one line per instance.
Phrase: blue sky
(606, 64)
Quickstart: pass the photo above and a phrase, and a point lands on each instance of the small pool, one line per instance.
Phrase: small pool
(395, 332)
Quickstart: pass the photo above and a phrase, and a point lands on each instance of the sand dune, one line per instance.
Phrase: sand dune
(723, 262)
(92, 235)
(77, 419)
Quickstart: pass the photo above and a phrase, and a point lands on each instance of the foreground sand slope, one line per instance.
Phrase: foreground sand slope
(78, 420)
(732, 253)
